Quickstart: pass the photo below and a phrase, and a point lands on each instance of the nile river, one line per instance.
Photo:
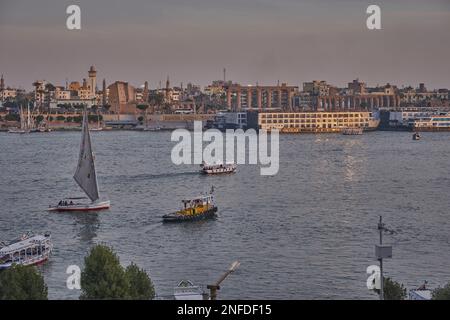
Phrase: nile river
(306, 233)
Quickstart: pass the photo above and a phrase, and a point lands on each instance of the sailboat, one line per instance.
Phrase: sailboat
(23, 127)
(99, 127)
(85, 177)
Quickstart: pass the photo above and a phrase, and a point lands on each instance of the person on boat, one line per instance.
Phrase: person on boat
(71, 203)
(60, 203)
(423, 286)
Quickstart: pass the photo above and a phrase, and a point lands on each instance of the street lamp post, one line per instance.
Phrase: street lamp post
(382, 252)
(216, 286)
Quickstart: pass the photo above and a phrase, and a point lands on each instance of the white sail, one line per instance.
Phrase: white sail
(85, 175)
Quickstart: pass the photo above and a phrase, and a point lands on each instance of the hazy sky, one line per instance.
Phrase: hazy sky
(255, 40)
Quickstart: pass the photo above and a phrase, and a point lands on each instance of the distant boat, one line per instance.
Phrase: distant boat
(27, 250)
(85, 177)
(24, 127)
(416, 136)
(186, 290)
(218, 168)
(99, 127)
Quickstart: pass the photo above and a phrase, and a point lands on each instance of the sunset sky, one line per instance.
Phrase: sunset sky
(255, 40)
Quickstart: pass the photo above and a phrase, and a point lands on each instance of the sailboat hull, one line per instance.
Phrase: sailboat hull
(94, 206)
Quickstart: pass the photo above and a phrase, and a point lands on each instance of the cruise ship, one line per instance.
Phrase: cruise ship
(433, 123)
(317, 122)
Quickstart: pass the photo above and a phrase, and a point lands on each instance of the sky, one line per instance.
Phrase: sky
(257, 41)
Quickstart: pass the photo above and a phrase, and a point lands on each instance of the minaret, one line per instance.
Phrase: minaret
(167, 88)
(2, 87)
(104, 93)
(145, 93)
(92, 80)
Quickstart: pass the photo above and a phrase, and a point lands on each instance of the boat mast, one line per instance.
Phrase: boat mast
(28, 117)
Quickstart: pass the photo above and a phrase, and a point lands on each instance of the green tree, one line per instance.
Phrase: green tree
(142, 107)
(22, 283)
(12, 117)
(39, 118)
(393, 290)
(139, 283)
(441, 293)
(103, 277)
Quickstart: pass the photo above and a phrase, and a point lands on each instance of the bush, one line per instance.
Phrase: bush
(140, 285)
(442, 293)
(22, 283)
(393, 290)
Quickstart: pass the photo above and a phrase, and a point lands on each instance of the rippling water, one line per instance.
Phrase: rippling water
(306, 233)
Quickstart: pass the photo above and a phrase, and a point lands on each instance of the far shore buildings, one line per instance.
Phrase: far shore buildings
(7, 93)
(74, 94)
(121, 97)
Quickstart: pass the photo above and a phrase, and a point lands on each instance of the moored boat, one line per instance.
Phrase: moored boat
(197, 208)
(432, 123)
(17, 130)
(29, 249)
(416, 136)
(218, 168)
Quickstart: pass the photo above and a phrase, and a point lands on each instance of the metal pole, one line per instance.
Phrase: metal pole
(380, 227)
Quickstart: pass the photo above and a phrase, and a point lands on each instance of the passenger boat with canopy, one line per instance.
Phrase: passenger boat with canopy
(29, 249)
(197, 208)
(85, 176)
(218, 168)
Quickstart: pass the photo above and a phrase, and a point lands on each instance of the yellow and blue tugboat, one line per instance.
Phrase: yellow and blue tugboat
(197, 208)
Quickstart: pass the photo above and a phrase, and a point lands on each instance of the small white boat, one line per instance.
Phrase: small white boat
(218, 168)
(29, 249)
(186, 290)
(152, 129)
(416, 136)
(17, 130)
(352, 131)
(96, 129)
(85, 176)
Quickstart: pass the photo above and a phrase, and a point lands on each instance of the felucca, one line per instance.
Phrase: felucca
(85, 177)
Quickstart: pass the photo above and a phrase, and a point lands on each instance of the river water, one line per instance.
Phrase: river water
(306, 233)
